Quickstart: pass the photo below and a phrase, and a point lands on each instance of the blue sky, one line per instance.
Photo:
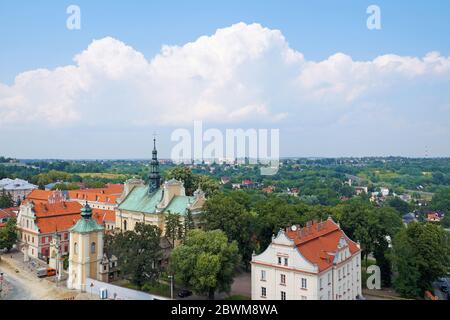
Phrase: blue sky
(33, 36)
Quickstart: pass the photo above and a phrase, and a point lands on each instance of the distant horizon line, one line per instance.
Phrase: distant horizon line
(211, 159)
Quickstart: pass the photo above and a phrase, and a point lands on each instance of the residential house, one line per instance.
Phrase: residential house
(317, 262)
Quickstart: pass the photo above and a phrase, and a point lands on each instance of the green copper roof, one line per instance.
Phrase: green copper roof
(179, 204)
(86, 225)
(139, 200)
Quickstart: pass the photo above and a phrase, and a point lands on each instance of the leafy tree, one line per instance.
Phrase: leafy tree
(398, 204)
(207, 184)
(188, 223)
(6, 200)
(184, 174)
(224, 213)
(441, 200)
(205, 262)
(420, 255)
(174, 228)
(138, 253)
(8, 235)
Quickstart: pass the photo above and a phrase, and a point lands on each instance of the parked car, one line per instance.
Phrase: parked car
(184, 293)
(45, 272)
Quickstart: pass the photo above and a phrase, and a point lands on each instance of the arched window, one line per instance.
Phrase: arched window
(93, 247)
(75, 248)
(125, 225)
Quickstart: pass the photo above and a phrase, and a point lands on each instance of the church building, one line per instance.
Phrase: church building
(150, 203)
(86, 250)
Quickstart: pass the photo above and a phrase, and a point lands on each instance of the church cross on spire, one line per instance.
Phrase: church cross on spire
(155, 178)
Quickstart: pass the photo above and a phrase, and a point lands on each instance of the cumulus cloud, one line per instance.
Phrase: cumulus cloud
(244, 73)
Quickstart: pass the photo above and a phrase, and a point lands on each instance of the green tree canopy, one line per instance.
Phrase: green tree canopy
(225, 213)
(205, 262)
(8, 235)
(420, 255)
(138, 253)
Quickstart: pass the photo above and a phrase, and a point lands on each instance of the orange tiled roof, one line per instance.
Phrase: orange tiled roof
(9, 212)
(39, 195)
(57, 223)
(56, 209)
(318, 242)
(106, 195)
(102, 216)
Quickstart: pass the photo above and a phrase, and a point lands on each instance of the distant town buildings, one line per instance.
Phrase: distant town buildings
(360, 190)
(317, 262)
(17, 188)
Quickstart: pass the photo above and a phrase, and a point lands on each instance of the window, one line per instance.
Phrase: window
(320, 284)
(279, 260)
(283, 295)
(125, 225)
(263, 275)
(285, 261)
(339, 274)
(75, 248)
(306, 298)
(263, 292)
(283, 279)
(304, 283)
(93, 247)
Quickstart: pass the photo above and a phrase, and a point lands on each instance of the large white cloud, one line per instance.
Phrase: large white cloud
(242, 74)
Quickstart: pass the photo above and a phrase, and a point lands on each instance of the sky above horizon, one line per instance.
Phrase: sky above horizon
(309, 68)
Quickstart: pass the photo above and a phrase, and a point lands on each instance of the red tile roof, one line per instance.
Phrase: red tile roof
(39, 195)
(51, 217)
(9, 212)
(105, 195)
(102, 216)
(318, 242)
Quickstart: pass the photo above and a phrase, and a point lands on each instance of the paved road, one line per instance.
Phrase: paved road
(13, 289)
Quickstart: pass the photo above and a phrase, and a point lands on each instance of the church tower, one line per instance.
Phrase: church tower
(85, 250)
(155, 178)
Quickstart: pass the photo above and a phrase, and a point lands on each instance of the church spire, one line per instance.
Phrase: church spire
(155, 178)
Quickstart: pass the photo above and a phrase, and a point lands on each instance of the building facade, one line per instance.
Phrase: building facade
(17, 188)
(44, 214)
(317, 262)
(86, 251)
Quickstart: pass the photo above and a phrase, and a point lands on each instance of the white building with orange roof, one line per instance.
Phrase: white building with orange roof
(317, 262)
(46, 213)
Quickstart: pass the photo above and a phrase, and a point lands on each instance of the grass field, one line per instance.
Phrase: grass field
(102, 175)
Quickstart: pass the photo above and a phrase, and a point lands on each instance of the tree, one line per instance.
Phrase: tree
(6, 200)
(174, 228)
(207, 184)
(205, 262)
(398, 204)
(8, 235)
(188, 224)
(138, 253)
(441, 200)
(183, 174)
(420, 255)
(224, 213)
